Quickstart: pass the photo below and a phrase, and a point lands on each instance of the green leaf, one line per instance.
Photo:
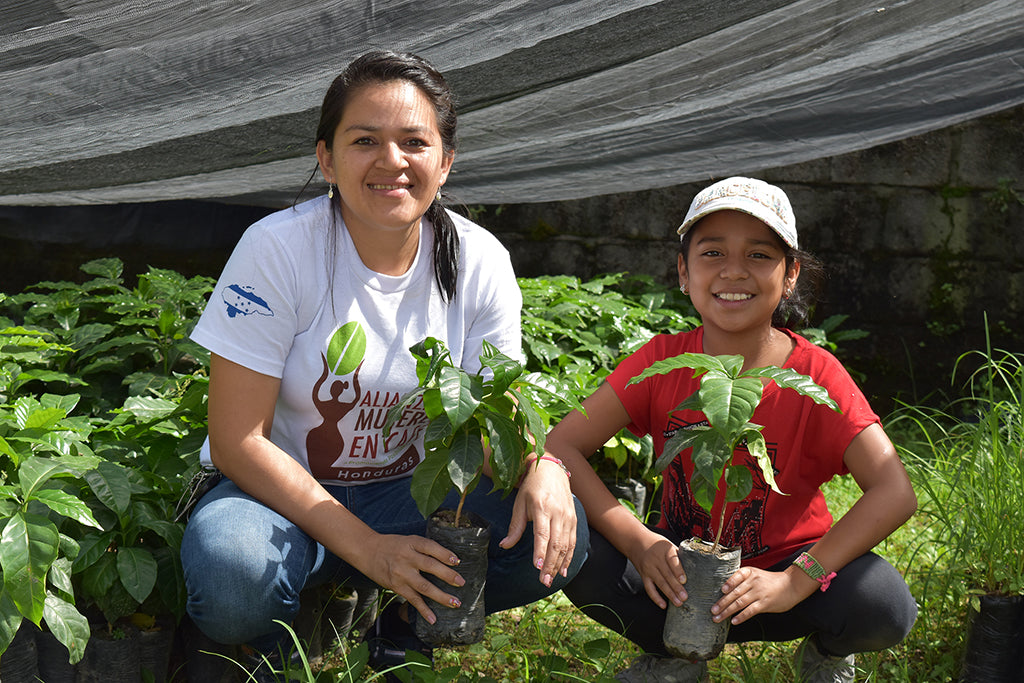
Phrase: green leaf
(788, 378)
(528, 414)
(110, 267)
(430, 482)
(8, 450)
(704, 490)
(69, 547)
(678, 442)
(710, 456)
(170, 580)
(170, 532)
(757, 448)
(10, 620)
(465, 459)
(598, 650)
(438, 430)
(67, 505)
(60, 576)
(92, 546)
(505, 370)
(739, 482)
(729, 403)
(396, 411)
(35, 472)
(148, 408)
(137, 570)
(506, 446)
(432, 404)
(28, 546)
(111, 485)
(698, 362)
(460, 395)
(431, 355)
(67, 625)
(98, 579)
(555, 389)
(41, 418)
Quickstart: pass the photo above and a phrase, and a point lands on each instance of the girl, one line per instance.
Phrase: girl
(740, 264)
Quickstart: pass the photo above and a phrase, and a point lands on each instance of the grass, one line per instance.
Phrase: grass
(552, 641)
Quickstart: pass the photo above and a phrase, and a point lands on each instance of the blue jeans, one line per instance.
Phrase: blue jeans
(245, 565)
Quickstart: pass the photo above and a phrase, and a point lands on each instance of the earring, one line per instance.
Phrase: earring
(330, 191)
(684, 290)
(438, 196)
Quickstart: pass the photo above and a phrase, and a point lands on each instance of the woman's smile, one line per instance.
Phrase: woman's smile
(387, 159)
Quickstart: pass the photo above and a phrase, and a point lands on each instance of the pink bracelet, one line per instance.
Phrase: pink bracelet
(815, 570)
(549, 458)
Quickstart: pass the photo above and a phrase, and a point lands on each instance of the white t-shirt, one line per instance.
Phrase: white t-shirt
(339, 338)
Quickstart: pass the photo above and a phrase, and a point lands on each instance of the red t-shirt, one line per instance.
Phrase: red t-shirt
(805, 441)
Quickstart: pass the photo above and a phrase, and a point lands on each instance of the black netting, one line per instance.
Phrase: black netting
(115, 101)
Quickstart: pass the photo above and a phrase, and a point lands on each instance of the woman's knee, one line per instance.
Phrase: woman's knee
(243, 571)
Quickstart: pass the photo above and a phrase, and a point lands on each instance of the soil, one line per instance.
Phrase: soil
(447, 518)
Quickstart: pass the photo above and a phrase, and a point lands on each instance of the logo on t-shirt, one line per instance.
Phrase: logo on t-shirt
(242, 300)
(684, 517)
(349, 445)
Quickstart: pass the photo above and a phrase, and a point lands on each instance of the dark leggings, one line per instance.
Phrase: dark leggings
(867, 607)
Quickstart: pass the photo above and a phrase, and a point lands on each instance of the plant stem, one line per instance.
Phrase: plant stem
(721, 525)
(458, 510)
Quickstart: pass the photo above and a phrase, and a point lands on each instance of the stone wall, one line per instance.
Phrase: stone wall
(920, 239)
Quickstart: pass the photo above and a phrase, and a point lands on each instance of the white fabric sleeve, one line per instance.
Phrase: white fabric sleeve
(252, 313)
(499, 303)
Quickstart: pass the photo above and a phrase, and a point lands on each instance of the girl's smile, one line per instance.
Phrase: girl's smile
(735, 270)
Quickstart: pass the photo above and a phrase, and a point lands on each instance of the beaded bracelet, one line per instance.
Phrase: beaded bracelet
(815, 570)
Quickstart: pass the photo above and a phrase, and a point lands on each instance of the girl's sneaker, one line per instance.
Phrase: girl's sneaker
(813, 666)
(654, 669)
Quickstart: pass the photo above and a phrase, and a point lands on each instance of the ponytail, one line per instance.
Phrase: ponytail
(794, 311)
(446, 250)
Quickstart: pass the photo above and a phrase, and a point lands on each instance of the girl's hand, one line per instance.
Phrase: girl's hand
(751, 591)
(397, 562)
(657, 560)
(544, 498)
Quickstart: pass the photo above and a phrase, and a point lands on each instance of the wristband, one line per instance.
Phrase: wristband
(815, 570)
(549, 458)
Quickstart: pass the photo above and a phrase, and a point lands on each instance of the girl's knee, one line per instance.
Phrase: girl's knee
(892, 622)
(880, 621)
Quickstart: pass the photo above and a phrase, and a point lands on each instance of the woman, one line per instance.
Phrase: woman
(802, 576)
(309, 329)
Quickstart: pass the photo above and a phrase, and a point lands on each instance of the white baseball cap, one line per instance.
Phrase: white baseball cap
(765, 202)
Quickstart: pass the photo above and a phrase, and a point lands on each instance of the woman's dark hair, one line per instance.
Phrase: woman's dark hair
(793, 311)
(383, 67)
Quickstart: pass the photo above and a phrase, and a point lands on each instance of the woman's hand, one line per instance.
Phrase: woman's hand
(544, 498)
(657, 560)
(752, 591)
(397, 562)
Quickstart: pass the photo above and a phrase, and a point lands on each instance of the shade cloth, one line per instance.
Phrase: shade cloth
(110, 101)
